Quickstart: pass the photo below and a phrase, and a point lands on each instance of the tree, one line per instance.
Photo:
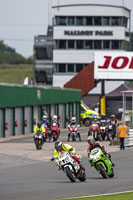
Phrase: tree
(8, 55)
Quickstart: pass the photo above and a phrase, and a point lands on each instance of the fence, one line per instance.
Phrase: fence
(129, 139)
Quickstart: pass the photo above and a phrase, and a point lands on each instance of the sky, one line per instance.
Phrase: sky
(21, 20)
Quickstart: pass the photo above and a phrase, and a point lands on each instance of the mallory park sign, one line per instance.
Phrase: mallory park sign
(90, 33)
(113, 65)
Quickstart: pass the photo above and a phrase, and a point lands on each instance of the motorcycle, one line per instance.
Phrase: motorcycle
(54, 131)
(47, 133)
(103, 129)
(101, 163)
(74, 132)
(38, 140)
(94, 131)
(70, 167)
(109, 133)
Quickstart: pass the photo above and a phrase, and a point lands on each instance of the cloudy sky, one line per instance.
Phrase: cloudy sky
(21, 20)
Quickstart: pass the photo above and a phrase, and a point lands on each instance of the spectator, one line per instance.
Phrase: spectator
(122, 134)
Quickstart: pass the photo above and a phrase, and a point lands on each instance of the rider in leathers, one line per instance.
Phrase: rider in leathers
(94, 120)
(94, 144)
(73, 123)
(60, 147)
(103, 120)
(46, 125)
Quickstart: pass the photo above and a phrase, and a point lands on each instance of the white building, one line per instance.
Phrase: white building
(81, 29)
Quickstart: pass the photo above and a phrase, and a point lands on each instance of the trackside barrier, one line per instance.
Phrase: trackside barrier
(129, 139)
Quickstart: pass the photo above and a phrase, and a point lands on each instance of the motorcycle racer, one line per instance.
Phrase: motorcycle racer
(103, 120)
(60, 147)
(55, 119)
(94, 144)
(46, 125)
(73, 123)
(95, 120)
(113, 123)
(40, 128)
(45, 121)
(94, 127)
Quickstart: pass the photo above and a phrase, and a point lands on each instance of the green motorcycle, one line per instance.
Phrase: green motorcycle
(101, 163)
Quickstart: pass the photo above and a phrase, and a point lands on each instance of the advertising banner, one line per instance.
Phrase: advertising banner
(116, 65)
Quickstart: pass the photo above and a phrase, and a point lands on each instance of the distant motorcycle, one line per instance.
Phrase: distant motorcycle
(73, 132)
(47, 133)
(70, 167)
(54, 131)
(101, 163)
(103, 130)
(109, 132)
(38, 140)
(94, 131)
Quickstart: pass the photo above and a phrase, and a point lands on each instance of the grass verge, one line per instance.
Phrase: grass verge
(120, 196)
(15, 74)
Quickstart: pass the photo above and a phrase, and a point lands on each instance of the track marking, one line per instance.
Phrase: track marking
(99, 195)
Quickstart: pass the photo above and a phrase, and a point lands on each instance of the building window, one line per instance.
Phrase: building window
(115, 21)
(88, 44)
(106, 44)
(106, 21)
(62, 44)
(125, 20)
(71, 21)
(97, 21)
(79, 67)
(70, 44)
(70, 67)
(79, 21)
(55, 68)
(127, 34)
(61, 20)
(97, 44)
(62, 67)
(88, 21)
(120, 44)
(79, 44)
(40, 53)
(115, 44)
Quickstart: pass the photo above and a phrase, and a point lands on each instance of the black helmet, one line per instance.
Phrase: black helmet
(103, 115)
(58, 145)
(39, 124)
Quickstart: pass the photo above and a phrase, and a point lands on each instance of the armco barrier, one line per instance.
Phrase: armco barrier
(129, 139)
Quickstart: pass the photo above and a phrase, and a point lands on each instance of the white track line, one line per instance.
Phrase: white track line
(99, 195)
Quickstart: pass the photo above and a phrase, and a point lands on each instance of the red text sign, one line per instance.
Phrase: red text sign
(116, 65)
(114, 62)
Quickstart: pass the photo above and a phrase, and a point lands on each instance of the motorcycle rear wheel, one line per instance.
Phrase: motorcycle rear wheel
(112, 174)
(70, 175)
(83, 177)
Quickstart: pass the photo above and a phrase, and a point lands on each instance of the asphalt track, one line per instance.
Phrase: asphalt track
(24, 178)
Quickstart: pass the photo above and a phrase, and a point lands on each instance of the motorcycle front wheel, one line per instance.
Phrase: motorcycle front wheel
(73, 138)
(70, 174)
(55, 138)
(37, 144)
(102, 171)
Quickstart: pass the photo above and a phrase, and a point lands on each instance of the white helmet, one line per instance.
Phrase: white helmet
(45, 117)
(73, 119)
(55, 117)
